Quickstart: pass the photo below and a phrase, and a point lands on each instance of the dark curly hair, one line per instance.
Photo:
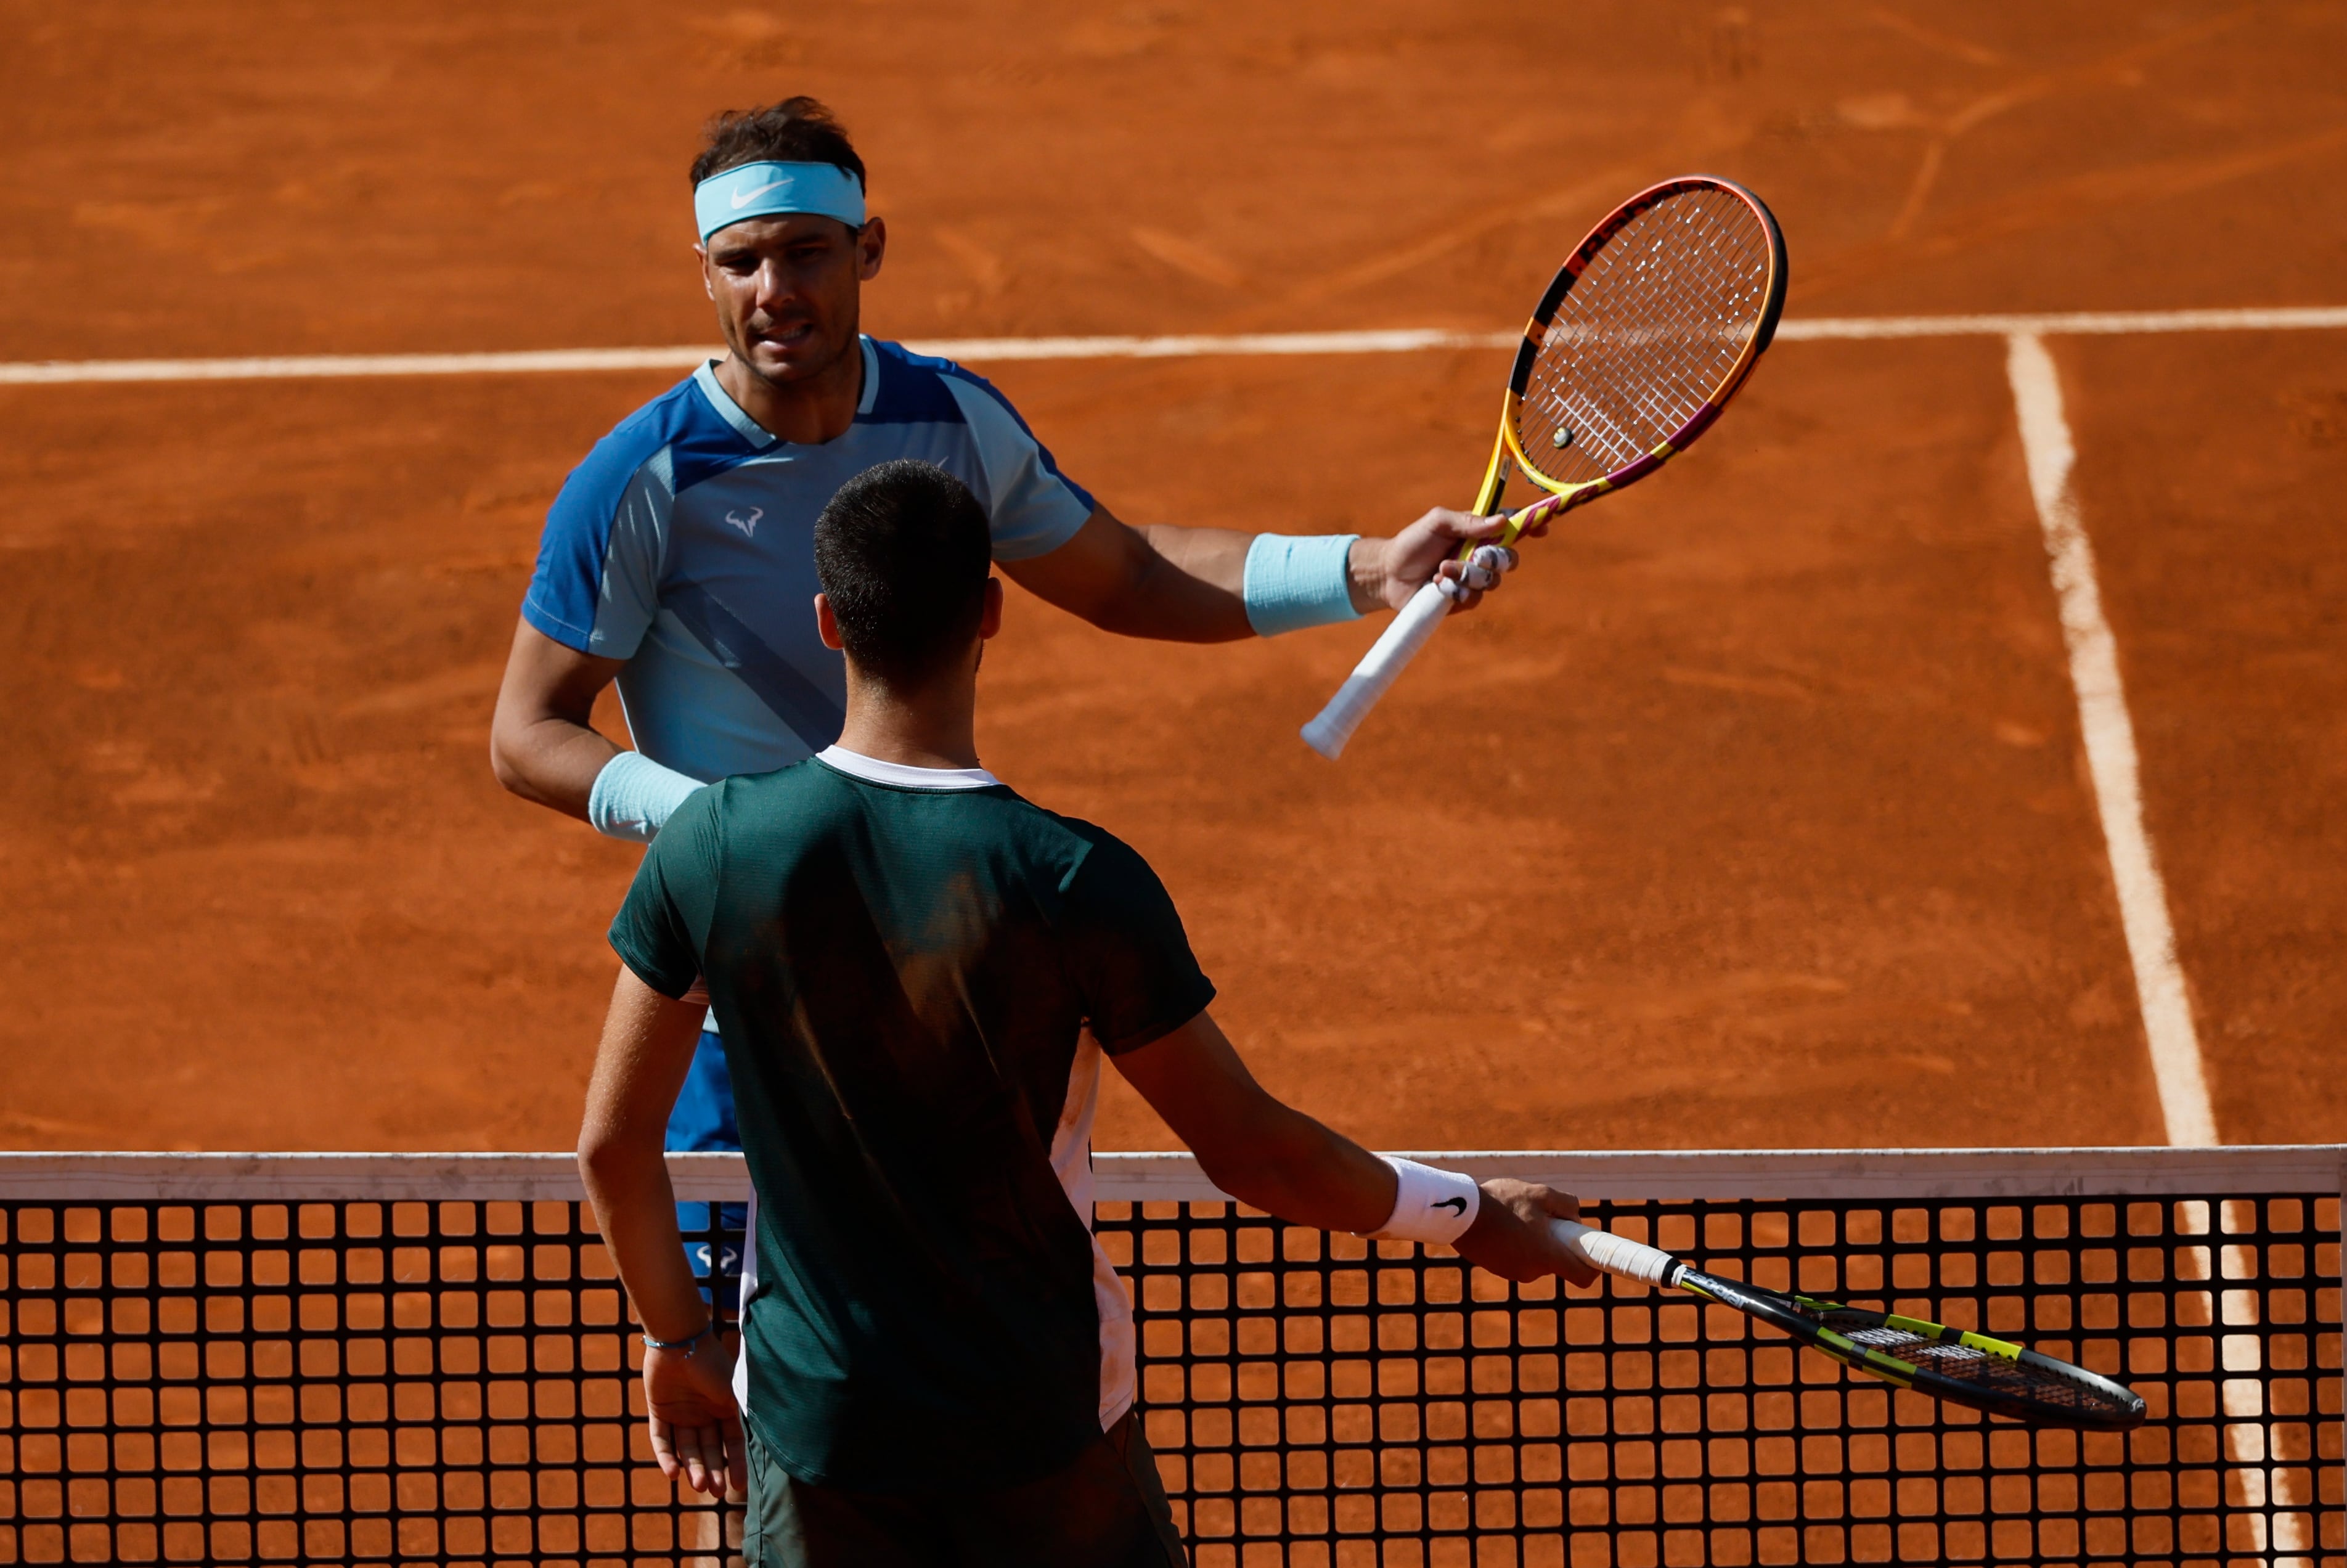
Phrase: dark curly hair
(903, 551)
(795, 130)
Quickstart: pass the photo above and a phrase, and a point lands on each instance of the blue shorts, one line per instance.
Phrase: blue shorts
(703, 1120)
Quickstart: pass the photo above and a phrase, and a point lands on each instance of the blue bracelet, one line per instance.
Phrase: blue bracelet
(1292, 582)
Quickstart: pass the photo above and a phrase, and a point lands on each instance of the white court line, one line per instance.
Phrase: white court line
(2284, 318)
(2111, 746)
(2271, 1461)
(999, 350)
(540, 361)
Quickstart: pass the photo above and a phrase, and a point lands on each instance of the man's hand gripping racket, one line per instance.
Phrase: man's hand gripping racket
(1952, 1364)
(1645, 332)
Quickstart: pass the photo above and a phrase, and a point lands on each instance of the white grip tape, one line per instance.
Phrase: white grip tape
(1386, 659)
(1616, 1254)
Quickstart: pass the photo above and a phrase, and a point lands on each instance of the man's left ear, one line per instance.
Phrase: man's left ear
(826, 625)
(871, 245)
(990, 619)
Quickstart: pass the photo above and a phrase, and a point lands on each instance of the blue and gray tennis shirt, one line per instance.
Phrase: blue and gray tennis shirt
(684, 545)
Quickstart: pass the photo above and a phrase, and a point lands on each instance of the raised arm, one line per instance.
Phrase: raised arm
(1268, 1154)
(1191, 585)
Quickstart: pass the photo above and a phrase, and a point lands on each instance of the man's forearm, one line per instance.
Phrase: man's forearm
(543, 744)
(1271, 1155)
(636, 1207)
(1251, 1145)
(1217, 560)
(1293, 1167)
(1187, 587)
(647, 1048)
(1179, 584)
(549, 761)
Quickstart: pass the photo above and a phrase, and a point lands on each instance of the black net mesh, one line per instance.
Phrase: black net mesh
(451, 1382)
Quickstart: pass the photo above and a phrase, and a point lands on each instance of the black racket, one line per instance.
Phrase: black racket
(1952, 1364)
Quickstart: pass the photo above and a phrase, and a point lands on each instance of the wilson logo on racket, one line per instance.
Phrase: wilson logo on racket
(1643, 336)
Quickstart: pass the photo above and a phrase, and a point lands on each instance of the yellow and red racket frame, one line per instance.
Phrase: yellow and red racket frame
(1564, 497)
(1333, 727)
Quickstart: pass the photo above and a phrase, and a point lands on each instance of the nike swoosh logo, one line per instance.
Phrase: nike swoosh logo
(741, 199)
(1456, 1205)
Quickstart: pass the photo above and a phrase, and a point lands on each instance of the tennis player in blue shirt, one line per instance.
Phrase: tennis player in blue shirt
(677, 558)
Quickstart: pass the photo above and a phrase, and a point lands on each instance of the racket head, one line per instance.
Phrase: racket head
(1644, 334)
(1951, 1364)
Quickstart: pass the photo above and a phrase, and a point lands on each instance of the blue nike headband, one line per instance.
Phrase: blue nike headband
(763, 190)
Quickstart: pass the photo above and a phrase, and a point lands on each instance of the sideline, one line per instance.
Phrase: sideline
(1002, 350)
(2109, 734)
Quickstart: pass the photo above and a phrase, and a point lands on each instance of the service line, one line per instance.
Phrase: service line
(2109, 734)
(997, 350)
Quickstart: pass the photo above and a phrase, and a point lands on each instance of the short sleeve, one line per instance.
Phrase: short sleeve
(1128, 955)
(663, 924)
(597, 586)
(1034, 508)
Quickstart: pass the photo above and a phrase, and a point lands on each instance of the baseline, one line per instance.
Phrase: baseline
(1000, 350)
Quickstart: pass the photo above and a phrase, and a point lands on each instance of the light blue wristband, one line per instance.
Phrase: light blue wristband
(634, 794)
(1292, 582)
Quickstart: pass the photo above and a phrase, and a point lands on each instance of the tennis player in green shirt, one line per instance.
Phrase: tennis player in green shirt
(916, 975)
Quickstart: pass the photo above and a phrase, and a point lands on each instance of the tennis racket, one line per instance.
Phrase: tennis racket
(1951, 1364)
(1644, 333)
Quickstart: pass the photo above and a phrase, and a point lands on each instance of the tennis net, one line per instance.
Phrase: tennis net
(426, 1358)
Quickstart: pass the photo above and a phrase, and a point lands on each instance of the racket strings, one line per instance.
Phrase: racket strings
(1986, 1372)
(1646, 336)
(1697, 263)
(1649, 344)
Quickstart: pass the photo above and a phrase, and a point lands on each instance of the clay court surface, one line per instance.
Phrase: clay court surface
(1753, 813)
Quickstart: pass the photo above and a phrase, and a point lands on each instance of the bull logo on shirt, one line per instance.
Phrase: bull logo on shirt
(749, 525)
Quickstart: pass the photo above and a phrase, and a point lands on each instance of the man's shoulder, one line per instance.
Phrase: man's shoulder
(678, 435)
(748, 794)
(642, 435)
(921, 388)
(1099, 853)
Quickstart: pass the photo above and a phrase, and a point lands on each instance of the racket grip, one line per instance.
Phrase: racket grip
(1386, 659)
(1616, 1254)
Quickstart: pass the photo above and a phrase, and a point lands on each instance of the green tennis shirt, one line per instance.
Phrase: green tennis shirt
(910, 968)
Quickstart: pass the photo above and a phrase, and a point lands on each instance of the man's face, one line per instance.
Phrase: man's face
(787, 289)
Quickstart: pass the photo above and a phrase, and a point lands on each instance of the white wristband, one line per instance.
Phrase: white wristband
(1429, 1205)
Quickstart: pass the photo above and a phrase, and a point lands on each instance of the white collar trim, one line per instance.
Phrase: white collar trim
(856, 764)
(871, 379)
(757, 435)
(732, 413)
